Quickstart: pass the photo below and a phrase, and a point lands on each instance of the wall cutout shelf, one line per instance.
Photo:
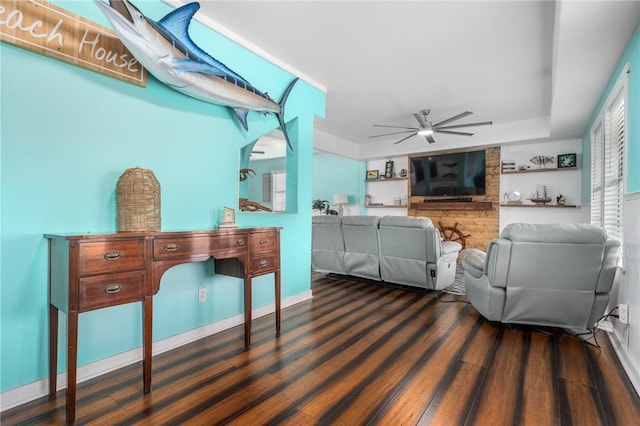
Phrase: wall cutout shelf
(557, 169)
(385, 180)
(539, 206)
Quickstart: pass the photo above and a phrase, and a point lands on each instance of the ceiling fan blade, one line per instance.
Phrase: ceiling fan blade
(455, 117)
(394, 133)
(396, 127)
(420, 119)
(481, 123)
(430, 139)
(449, 132)
(405, 138)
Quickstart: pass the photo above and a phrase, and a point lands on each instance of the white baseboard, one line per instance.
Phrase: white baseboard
(628, 363)
(40, 388)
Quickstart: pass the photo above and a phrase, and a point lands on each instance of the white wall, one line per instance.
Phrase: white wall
(567, 183)
(387, 192)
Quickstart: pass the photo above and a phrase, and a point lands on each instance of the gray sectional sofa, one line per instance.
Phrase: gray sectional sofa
(394, 249)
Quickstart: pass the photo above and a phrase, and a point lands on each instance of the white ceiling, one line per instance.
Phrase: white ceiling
(536, 68)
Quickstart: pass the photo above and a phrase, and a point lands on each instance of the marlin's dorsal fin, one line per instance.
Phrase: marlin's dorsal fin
(177, 23)
(241, 113)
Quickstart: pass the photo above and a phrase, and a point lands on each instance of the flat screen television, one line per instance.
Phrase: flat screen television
(456, 174)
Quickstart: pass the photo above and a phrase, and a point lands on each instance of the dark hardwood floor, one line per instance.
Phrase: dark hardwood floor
(360, 353)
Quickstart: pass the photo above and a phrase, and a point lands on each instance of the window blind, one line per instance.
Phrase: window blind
(279, 190)
(614, 169)
(596, 174)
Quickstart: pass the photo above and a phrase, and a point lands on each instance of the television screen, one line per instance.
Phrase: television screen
(458, 174)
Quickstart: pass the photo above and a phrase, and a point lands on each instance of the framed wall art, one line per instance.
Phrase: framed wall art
(266, 187)
(373, 174)
(567, 160)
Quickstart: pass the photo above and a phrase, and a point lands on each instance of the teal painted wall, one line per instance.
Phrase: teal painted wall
(333, 174)
(68, 134)
(632, 57)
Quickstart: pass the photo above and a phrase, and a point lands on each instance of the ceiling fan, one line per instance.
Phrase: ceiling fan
(427, 129)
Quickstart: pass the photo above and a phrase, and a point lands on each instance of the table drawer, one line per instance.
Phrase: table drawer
(110, 289)
(170, 248)
(110, 256)
(264, 264)
(263, 241)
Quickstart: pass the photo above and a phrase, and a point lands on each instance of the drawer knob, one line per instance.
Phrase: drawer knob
(263, 263)
(113, 289)
(112, 255)
(240, 242)
(263, 242)
(170, 247)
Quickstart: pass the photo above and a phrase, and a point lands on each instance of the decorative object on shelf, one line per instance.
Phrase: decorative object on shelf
(373, 174)
(513, 197)
(453, 233)
(228, 218)
(323, 207)
(523, 167)
(542, 161)
(508, 166)
(403, 173)
(138, 201)
(560, 200)
(340, 199)
(367, 200)
(200, 75)
(245, 173)
(388, 169)
(540, 197)
(567, 160)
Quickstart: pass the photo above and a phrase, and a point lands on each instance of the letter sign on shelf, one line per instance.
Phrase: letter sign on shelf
(44, 28)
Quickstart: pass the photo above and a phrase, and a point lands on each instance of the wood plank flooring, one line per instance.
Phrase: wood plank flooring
(362, 353)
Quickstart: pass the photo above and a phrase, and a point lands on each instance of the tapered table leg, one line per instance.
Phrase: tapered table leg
(147, 316)
(53, 349)
(247, 312)
(72, 362)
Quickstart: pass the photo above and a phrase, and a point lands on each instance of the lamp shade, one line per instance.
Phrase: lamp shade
(340, 198)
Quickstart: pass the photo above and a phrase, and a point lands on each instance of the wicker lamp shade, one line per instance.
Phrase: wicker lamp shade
(138, 201)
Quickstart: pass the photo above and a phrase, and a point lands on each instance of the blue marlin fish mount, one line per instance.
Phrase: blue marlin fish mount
(165, 49)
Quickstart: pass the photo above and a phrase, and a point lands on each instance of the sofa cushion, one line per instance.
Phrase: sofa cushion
(406, 221)
(564, 233)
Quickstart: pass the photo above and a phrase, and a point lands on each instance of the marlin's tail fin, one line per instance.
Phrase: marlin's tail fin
(280, 116)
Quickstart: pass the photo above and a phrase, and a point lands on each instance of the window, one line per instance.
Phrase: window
(279, 188)
(607, 163)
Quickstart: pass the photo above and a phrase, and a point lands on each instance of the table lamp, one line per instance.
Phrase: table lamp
(340, 199)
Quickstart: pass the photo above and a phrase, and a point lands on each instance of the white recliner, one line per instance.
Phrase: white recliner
(327, 254)
(555, 275)
(412, 253)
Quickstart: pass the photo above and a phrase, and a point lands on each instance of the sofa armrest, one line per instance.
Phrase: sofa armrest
(473, 261)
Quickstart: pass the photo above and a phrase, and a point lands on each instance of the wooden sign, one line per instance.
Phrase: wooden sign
(44, 28)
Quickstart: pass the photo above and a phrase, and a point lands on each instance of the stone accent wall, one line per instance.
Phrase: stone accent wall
(481, 225)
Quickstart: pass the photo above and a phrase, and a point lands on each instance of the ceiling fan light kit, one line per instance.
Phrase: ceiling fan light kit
(426, 129)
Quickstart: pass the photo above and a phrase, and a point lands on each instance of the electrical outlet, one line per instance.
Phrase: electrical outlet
(623, 314)
(202, 294)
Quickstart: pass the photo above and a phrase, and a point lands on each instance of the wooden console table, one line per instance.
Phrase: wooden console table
(88, 272)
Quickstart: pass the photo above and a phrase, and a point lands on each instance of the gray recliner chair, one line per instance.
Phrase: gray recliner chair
(412, 253)
(328, 244)
(555, 275)
(361, 246)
